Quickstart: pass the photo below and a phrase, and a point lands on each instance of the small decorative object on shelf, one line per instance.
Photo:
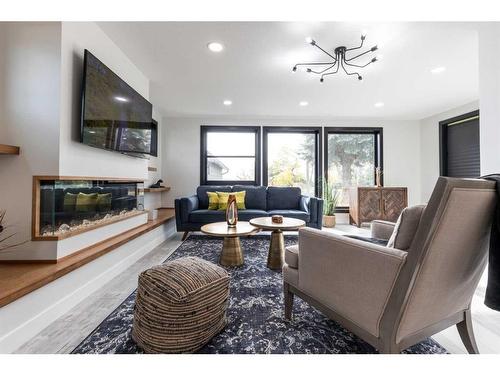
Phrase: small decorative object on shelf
(277, 219)
(157, 184)
(378, 176)
(153, 214)
(231, 211)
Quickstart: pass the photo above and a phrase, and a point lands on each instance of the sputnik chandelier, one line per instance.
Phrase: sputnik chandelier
(338, 60)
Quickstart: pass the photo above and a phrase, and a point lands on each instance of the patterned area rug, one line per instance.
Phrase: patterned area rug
(255, 313)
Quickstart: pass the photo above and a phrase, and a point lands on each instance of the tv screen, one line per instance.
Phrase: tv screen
(114, 115)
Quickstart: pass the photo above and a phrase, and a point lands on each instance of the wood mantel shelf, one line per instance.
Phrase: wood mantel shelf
(156, 190)
(19, 279)
(9, 150)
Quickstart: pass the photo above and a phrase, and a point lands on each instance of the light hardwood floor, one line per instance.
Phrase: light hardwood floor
(68, 331)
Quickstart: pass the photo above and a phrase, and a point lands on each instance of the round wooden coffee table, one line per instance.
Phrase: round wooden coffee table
(231, 255)
(276, 253)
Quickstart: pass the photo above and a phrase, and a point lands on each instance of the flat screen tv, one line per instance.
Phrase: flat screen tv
(114, 116)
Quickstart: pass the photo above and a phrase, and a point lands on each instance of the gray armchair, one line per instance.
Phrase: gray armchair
(394, 298)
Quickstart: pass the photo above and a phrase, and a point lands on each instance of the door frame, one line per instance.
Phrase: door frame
(443, 138)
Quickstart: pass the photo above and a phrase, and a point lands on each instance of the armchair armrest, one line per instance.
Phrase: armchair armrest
(352, 277)
(382, 229)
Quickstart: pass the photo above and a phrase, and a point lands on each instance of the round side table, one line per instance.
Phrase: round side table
(275, 257)
(232, 254)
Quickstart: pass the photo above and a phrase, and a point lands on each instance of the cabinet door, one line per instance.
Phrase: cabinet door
(369, 204)
(393, 202)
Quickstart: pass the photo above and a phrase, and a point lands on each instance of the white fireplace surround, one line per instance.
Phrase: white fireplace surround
(78, 242)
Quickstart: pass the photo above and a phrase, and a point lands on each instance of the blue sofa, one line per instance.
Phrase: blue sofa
(192, 213)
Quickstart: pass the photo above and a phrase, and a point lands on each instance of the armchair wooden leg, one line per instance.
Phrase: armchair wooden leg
(185, 235)
(387, 345)
(288, 301)
(467, 334)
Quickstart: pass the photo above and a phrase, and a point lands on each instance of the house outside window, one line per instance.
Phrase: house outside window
(230, 155)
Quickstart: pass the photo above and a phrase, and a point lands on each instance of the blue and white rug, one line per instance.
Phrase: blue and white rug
(255, 313)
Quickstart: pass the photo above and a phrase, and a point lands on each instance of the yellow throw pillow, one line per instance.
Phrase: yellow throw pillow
(104, 202)
(86, 202)
(213, 200)
(240, 199)
(69, 202)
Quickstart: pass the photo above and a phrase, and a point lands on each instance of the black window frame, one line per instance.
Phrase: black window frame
(378, 132)
(205, 129)
(295, 129)
(443, 137)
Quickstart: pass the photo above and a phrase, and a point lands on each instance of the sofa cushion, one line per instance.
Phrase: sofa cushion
(292, 256)
(213, 200)
(283, 198)
(296, 214)
(255, 196)
(224, 198)
(246, 215)
(201, 192)
(406, 227)
(205, 216)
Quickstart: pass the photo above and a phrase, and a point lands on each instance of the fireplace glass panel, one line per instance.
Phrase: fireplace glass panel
(72, 205)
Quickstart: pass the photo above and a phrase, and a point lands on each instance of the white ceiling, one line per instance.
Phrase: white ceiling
(255, 68)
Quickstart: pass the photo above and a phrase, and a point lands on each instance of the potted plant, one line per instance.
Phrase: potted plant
(331, 198)
(4, 236)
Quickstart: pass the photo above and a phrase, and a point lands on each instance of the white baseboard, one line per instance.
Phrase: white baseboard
(27, 316)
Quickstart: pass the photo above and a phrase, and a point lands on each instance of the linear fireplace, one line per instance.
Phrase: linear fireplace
(66, 206)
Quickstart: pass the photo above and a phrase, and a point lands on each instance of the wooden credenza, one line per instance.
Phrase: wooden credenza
(376, 203)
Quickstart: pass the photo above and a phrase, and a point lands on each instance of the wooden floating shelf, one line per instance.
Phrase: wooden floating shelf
(152, 169)
(156, 190)
(19, 279)
(9, 150)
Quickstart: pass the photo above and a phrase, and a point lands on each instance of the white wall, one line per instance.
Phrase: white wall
(40, 82)
(29, 117)
(489, 96)
(429, 138)
(40, 101)
(181, 164)
(77, 159)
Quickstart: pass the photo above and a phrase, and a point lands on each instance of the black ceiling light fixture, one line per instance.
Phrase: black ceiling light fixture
(339, 60)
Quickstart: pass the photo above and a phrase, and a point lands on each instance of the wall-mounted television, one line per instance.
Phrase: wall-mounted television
(115, 116)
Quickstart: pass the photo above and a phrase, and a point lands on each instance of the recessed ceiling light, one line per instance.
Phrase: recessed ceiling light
(304, 103)
(227, 102)
(437, 70)
(121, 99)
(215, 46)
(379, 104)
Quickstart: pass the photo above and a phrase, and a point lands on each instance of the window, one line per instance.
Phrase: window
(292, 157)
(459, 149)
(351, 156)
(230, 155)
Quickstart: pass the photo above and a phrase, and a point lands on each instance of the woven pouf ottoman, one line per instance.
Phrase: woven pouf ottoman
(180, 305)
